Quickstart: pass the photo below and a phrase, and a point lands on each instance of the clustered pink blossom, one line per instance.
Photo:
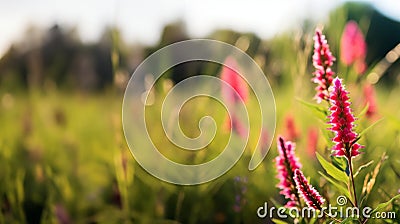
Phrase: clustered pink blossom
(353, 48)
(311, 196)
(322, 61)
(286, 163)
(342, 121)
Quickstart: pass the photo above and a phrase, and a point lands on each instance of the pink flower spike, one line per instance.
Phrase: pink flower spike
(353, 48)
(237, 83)
(342, 121)
(322, 61)
(311, 196)
(286, 163)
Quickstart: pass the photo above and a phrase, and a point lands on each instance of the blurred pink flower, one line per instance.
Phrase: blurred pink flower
(237, 83)
(291, 130)
(312, 141)
(238, 88)
(360, 66)
(286, 164)
(311, 196)
(342, 121)
(353, 48)
(236, 125)
(322, 61)
(61, 214)
(264, 139)
(369, 93)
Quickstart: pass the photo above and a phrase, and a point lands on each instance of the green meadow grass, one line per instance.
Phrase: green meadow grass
(64, 156)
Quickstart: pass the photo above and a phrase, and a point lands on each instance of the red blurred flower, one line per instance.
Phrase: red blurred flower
(353, 48)
(360, 66)
(237, 83)
(264, 138)
(311, 196)
(370, 98)
(342, 121)
(322, 61)
(237, 91)
(236, 125)
(352, 45)
(291, 131)
(312, 141)
(286, 164)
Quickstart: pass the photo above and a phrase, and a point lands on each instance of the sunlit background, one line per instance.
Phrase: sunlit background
(142, 21)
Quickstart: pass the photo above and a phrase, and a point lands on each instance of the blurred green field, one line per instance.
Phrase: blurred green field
(64, 160)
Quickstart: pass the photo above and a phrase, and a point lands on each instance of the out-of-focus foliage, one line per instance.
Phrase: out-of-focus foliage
(58, 57)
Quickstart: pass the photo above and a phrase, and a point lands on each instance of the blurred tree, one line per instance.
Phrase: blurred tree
(58, 56)
(173, 32)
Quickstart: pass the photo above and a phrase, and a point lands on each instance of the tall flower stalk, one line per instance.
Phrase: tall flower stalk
(311, 196)
(322, 61)
(342, 121)
(286, 164)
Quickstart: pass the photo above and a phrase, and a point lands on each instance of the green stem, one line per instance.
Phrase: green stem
(179, 202)
(352, 181)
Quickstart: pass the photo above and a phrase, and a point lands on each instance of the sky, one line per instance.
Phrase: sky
(142, 21)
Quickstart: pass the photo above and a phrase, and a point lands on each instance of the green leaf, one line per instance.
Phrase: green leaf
(364, 110)
(332, 170)
(341, 163)
(385, 204)
(369, 127)
(321, 112)
(312, 220)
(340, 187)
(327, 134)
